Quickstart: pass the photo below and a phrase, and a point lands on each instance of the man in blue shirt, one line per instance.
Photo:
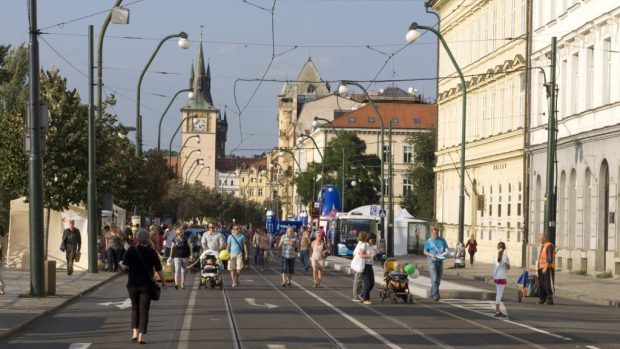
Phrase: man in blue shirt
(238, 249)
(434, 249)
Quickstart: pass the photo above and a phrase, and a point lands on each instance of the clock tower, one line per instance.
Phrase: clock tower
(202, 119)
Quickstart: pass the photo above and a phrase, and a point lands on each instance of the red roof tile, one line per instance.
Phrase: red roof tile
(409, 116)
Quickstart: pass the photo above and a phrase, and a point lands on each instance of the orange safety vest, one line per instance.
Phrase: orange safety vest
(542, 257)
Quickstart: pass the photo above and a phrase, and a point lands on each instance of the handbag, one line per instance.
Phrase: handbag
(63, 246)
(357, 263)
(155, 292)
(77, 256)
(325, 253)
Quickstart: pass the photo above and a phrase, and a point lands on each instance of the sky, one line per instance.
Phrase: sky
(360, 40)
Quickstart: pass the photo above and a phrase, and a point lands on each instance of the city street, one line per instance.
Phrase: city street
(260, 313)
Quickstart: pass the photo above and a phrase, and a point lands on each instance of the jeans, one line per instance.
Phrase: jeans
(435, 269)
(256, 256)
(303, 255)
(368, 276)
(546, 288)
(140, 305)
(114, 256)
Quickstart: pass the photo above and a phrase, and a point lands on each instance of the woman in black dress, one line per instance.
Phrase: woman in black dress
(141, 260)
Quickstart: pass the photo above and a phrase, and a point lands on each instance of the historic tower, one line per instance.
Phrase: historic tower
(202, 119)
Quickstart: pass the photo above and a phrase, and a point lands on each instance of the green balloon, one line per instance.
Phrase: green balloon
(409, 268)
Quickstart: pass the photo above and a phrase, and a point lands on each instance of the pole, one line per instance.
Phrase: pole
(164, 114)
(461, 231)
(550, 195)
(336, 133)
(104, 27)
(92, 174)
(176, 169)
(138, 116)
(390, 229)
(35, 162)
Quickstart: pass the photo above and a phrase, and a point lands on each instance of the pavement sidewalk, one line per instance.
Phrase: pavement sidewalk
(18, 309)
(583, 288)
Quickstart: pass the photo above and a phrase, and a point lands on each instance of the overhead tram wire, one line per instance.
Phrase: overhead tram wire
(62, 24)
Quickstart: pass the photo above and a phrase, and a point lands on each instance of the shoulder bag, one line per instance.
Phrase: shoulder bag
(155, 288)
(357, 263)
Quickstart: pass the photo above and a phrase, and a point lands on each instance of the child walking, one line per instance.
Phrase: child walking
(500, 272)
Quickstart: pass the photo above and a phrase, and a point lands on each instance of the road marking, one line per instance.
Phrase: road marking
(252, 301)
(300, 310)
(356, 322)
(120, 305)
(480, 308)
(189, 313)
(80, 345)
(235, 338)
(276, 346)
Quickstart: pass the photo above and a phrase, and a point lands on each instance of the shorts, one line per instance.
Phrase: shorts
(288, 265)
(235, 263)
(500, 281)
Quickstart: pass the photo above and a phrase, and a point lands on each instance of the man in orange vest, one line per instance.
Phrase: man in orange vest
(546, 270)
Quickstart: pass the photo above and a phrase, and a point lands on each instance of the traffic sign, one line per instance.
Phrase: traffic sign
(382, 212)
(374, 210)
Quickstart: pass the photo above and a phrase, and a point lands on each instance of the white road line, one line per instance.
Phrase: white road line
(465, 306)
(187, 320)
(356, 322)
(306, 315)
(80, 345)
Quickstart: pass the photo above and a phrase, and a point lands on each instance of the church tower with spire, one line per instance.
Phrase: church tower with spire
(200, 118)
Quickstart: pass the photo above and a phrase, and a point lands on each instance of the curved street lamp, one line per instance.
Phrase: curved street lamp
(343, 89)
(192, 168)
(187, 158)
(315, 123)
(300, 139)
(412, 35)
(196, 137)
(184, 44)
(172, 139)
(190, 95)
(199, 172)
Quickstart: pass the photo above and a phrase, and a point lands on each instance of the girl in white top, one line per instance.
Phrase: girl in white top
(500, 273)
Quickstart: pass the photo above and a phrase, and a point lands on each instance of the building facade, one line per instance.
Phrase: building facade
(489, 42)
(588, 122)
(200, 118)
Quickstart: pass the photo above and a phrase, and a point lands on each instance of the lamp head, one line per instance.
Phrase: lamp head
(413, 34)
(197, 139)
(315, 123)
(300, 139)
(343, 89)
(191, 95)
(200, 162)
(199, 152)
(183, 41)
(353, 183)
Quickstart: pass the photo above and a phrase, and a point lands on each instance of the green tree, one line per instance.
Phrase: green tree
(420, 200)
(13, 102)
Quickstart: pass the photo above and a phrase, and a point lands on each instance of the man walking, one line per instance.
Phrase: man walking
(237, 249)
(546, 270)
(434, 249)
(213, 240)
(73, 244)
(288, 243)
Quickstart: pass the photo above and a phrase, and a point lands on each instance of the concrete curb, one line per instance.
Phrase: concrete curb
(20, 326)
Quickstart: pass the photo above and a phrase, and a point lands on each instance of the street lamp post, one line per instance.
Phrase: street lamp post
(188, 156)
(298, 201)
(300, 139)
(184, 44)
(192, 168)
(412, 35)
(172, 139)
(166, 110)
(315, 123)
(342, 89)
(197, 138)
(201, 169)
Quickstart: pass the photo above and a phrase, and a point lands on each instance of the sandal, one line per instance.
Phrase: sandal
(134, 339)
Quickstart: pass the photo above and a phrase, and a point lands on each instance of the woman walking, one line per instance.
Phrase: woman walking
(316, 260)
(500, 273)
(472, 248)
(179, 254)
(141, 260)
(304, 247)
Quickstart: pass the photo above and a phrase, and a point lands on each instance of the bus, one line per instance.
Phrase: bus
(346, 228)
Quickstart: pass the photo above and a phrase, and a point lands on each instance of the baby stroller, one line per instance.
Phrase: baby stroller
(396, 283)
(528, 285)
(210, 272)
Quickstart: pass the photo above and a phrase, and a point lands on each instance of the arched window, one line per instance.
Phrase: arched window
(572, 208)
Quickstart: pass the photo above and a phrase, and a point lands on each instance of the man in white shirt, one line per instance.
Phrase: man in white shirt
(213, 239)
(169, 235)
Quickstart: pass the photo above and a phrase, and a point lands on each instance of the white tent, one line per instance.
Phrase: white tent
(409, 233)
(18, 251)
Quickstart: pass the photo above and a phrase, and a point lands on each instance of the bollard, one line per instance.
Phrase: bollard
(50, 278)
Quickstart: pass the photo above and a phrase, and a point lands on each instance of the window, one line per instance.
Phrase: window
(260, 191)
(231, 182)
(407, 186)
(220, 182)
(417, 121)
(394, 121)
(371, 120)
(242, 192)
(499, 200)
(251, 192)
(351, 119)
(606, 70)
(564, 84)
(513, 14)
(510, 103)
(574, 85)
(494, 29)
(508, 205)
(386, 153)
(519, 201)
(490, 202)
(590, 78)
(484, 116)
(386, 188)
(492, 113)
(486, 33)
(521, 101)
(407, 154)
(523, 17)
(502, 11)
(500, 114)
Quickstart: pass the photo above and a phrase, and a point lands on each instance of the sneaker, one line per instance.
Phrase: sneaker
(284, 284)
(367, 302)
(234, 285)
(500, 314)
(357, 300)
(541, 302)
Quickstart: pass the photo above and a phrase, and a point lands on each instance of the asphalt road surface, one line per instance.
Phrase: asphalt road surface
(260, 313)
